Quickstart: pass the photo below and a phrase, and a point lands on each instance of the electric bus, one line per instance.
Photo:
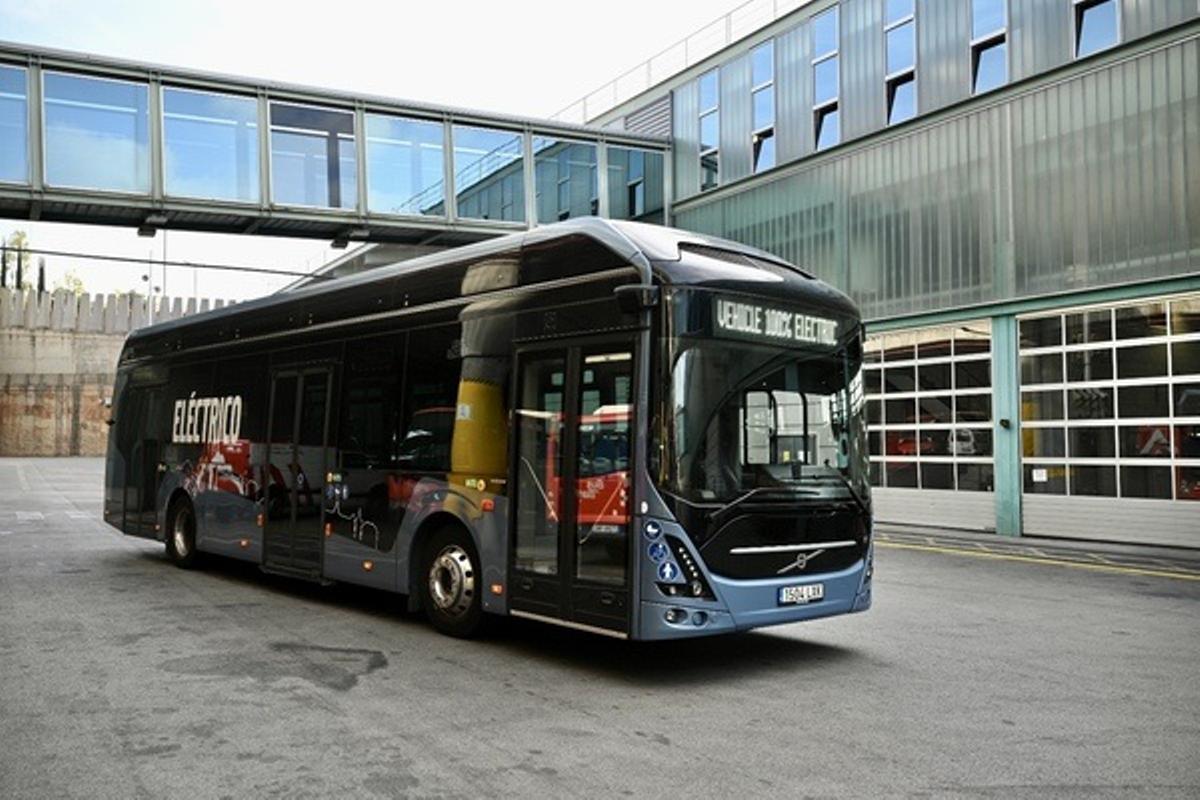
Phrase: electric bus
(610, 426)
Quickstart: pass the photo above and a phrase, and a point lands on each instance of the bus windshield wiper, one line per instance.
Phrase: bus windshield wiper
(787, 490)
(845, 482)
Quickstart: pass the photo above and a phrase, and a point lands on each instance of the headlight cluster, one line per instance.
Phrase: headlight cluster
(694, 583)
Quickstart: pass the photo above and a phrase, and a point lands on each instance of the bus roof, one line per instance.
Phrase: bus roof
(650, 249)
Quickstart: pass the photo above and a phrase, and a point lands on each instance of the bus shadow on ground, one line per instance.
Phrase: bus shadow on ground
(679, 663)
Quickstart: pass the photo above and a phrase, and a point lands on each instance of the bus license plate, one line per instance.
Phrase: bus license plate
(799, 595)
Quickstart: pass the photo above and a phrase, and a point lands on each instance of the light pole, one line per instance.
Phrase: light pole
(164, 280)
(150, 290)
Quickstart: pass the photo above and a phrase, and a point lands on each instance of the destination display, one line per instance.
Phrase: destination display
(771, 324)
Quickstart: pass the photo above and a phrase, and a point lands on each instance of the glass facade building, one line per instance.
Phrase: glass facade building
(993, 166)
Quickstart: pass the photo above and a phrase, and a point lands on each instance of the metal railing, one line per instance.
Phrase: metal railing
(738, 23)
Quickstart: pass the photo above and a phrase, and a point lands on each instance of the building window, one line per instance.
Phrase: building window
(1096, 26)
(313, 159)
(929, 408)
(1110, 401)
(989, 45)
(900, 38)
(14, 125)
(710, 129)
(826, 85)
(210, 145)
(97, 133)
(902, 98)
(827, 127)
(762, 102)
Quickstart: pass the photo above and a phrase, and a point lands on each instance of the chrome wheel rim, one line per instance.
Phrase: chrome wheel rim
(179, 534)
(452, 581)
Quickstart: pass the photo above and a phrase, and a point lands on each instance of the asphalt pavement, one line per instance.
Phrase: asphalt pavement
(983, 670)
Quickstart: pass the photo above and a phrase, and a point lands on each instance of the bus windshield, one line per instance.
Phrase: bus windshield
(748, 417)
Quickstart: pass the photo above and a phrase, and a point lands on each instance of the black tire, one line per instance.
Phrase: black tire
(181, 534)
(451, 583)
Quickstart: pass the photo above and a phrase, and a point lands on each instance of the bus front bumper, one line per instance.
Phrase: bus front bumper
(745, 604)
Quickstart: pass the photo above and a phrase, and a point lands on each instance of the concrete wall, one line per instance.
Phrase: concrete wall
(58, 357)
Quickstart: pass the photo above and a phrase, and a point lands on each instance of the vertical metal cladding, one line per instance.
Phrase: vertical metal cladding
(1041, 36)
(1144, 17)
(1084, 183)
(793, 93)
(862, 97)
(943, 58)
(736, 148)
(1105, 191)
(1189, 60)
(686, 127)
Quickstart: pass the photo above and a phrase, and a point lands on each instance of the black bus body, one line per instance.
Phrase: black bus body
(613, 426)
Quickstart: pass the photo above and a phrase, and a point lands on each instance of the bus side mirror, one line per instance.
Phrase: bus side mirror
(635, 297)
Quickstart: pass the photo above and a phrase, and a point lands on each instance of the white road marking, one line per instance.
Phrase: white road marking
(5, 533)
(21, 478)
(79, 515)
(30, 516)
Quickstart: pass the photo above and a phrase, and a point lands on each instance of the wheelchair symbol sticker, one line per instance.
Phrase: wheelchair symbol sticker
(657, 552)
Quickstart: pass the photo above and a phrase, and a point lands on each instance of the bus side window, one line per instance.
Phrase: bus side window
(430, 394)
(369, 435)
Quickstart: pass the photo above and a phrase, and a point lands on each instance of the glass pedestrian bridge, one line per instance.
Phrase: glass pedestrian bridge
(96, 140)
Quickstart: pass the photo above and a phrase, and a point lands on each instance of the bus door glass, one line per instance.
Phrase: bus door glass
(150, 460)
(602, 485)
(130, 414)
(538, 419)
(295, 466)
(573, 421)
(142, 475)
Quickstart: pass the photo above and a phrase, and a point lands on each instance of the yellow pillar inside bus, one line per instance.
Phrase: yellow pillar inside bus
(479, 448)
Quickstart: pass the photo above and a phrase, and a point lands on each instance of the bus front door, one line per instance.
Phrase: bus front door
(296, 462)
(571, 482)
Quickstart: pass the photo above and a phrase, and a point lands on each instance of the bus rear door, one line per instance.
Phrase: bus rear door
(296, 462)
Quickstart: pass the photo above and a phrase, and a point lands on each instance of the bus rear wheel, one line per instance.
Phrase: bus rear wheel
(181, 534)
(451, 583)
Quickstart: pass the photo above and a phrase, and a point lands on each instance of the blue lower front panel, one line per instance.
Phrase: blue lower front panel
(732, 605)
(742, 605)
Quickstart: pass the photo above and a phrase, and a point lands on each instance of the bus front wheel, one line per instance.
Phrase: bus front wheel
(452, 583)
(181, 534)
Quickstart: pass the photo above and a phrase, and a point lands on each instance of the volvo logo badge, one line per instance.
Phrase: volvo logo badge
(801, 562)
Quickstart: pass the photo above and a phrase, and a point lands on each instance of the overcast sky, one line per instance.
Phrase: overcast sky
(527, 57)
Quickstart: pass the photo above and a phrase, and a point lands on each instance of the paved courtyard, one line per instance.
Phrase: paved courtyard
(982, 671)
